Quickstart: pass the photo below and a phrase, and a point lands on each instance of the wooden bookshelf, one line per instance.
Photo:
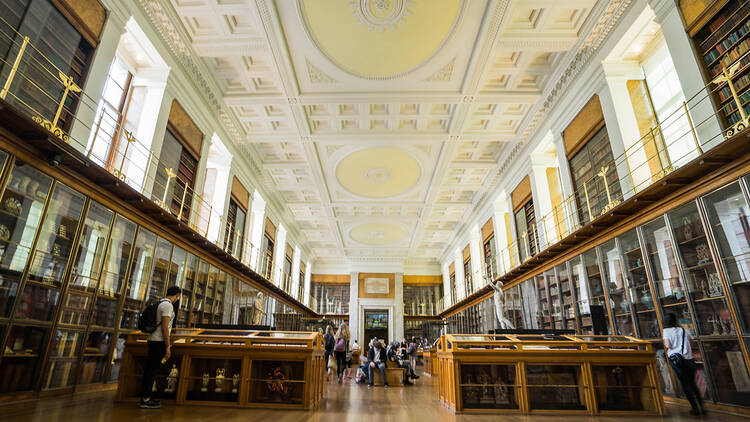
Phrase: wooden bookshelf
(722, 42)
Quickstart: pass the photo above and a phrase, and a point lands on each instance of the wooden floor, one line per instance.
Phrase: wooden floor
(346, 402)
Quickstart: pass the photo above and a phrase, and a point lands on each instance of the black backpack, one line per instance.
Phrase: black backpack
(147, 322)
(329, 342)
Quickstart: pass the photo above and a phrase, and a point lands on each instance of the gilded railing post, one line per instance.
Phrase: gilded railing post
(70, 86)
(182, 202)
(603, 174)
(690, 119)
(130, 139)
(93, 137)
(726, 76)
(170, 175)
(14, 69)
(588, 202)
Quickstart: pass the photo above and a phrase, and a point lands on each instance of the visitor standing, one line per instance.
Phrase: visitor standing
(159, 319)
(680, 355)
(329, 343)
(341, 348)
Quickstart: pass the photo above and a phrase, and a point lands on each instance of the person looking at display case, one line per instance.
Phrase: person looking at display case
(680, 354)
(159, 347)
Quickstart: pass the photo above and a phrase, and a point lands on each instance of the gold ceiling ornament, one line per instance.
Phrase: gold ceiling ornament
(381, 15)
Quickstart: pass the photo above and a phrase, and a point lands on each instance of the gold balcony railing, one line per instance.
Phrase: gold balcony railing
(642, 164)
(38, 88)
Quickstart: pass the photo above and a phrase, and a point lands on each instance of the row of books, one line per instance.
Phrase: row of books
(736, 117)
(731, 107)
(739, 84)
(728, 18)
(732, 56)
(727, 43)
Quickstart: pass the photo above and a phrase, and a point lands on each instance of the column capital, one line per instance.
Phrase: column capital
(662, 8)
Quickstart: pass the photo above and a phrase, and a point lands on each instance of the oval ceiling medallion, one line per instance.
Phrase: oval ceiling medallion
(380, 39)
(377, 234)
(378, 172)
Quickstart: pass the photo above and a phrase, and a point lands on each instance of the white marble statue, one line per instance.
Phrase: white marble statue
(499, 297)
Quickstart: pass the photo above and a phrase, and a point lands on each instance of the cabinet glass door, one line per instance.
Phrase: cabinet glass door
(63, 359)
(556, 312)
(160, 273)
(177, 271)
(597, 298)
(567, 299)
(21, 207)
(728, 211)
(188, 295)
(704, 286)
(513, 306)
(582, 295)
(543, 308)
(530, 304)
(200, 292)
(662, 263)
(138, 282)
(110, 287)
(50, 259)
(640, 289)
(87, 268)
(22, 357)
(614, 279)
(208, 307)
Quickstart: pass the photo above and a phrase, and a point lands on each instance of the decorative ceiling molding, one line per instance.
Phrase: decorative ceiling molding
(444, 74)
(316, 75)
(359, 3)
(362, 11)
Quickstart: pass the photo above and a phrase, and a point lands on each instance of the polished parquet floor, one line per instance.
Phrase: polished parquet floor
(346, 402)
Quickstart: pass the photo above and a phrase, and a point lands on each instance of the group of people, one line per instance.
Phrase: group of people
(337, 347)
(403, 354)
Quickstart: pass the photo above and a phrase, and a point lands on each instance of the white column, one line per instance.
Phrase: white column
(398, 308)
(500, 207)
(258, 211)
(354, 316)
(688, 71)
(94, 86)
(475, 249)
(157, 141)
(308, 271)
(295, 272)
(279, 253)
(616, 140)
(566, 181)
(458, 263)
(447, 299)
(617, 75)
(542, 198)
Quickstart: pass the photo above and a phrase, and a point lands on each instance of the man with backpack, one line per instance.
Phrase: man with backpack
(157, 320)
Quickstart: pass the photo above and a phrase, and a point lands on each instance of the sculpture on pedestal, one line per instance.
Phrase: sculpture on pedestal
(499, 297)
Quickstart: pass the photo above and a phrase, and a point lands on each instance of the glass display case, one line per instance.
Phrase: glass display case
(160, 273)
(727, 212)
(87, 268)
(534, 373)
(21, 207)
(597, 297)
(489, 386)
(62, 361)
(188, 293)
(200, 292)
(530, 301)
(567, 299)
(704, 285)
(112, 281)
(238, 367)
(513, 306)
(138, 280)
(422, 300)
(614, 280)
(636, 277)
(22, 357)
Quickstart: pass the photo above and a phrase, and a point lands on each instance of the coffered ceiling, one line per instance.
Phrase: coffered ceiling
(383, 124)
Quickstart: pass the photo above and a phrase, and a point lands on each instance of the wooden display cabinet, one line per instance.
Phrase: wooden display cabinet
(281, 369)
(548, 374)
